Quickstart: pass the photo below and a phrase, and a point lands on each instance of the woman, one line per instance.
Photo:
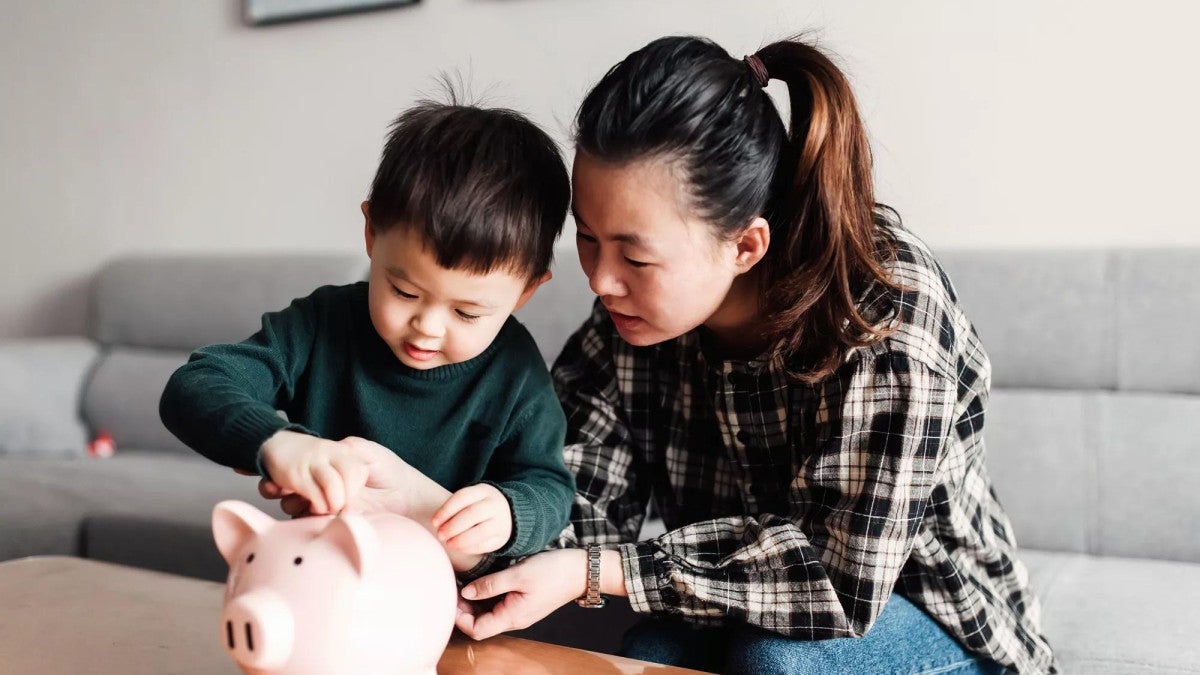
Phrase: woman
(787, 373)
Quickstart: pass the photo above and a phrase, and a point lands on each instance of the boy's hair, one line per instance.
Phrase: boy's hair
(486, 188)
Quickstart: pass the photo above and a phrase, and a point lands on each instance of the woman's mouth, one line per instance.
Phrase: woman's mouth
(624, 321)
(418, 354)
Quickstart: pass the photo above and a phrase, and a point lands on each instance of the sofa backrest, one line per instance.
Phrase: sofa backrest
(1093, 431)
(1093, 422)
(1095, 412)
(149, 313)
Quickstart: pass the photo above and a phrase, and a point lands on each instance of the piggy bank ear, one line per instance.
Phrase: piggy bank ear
(354, 536)
(234, 523)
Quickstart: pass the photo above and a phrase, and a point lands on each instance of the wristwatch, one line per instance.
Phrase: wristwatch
(592, 598)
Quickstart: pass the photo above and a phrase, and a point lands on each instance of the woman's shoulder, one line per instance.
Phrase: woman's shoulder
(927, 322)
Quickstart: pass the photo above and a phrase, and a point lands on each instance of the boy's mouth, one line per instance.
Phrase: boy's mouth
(418, 354)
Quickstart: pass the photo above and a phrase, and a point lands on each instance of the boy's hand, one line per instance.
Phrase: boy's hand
(475, 520)
(326, 473)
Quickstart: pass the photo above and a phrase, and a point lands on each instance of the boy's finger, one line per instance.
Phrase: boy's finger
(306, 486)
(456, 503)
(294, 505)
(462, 521)
(269, 489)
(354, 475)
(333, 490)
(476, 541)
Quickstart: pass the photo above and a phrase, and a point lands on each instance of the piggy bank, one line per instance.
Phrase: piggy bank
(371, 593)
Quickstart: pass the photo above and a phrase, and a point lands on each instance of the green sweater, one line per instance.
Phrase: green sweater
(494, 418)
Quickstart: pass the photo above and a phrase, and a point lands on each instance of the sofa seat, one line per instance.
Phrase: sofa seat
(1093, 605)
(48, 503)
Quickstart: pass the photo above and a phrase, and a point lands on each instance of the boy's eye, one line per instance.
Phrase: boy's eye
(636, 263)
(467, 317)
(583, 237)
(408, 296)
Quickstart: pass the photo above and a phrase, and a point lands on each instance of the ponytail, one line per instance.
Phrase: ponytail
(829, 246)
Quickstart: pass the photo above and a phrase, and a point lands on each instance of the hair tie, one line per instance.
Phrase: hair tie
(758, 69)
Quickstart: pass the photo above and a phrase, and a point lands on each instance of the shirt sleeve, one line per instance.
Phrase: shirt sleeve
(528, 469)
(611, 498)
(222, 403)
(826, 568)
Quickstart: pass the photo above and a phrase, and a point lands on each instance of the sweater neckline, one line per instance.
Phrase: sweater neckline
(446, 373)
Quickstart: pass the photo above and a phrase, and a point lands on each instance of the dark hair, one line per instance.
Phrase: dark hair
(486, 188)
(686, 100)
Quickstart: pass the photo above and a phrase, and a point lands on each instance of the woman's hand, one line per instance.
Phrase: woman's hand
(532, 589)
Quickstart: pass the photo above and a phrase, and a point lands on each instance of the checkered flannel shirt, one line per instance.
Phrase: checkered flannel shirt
(799, 508)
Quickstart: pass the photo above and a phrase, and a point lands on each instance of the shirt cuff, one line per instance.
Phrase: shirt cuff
(487, 564)
(648, 579)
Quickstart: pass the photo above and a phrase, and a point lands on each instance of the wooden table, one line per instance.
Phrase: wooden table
(70, 615)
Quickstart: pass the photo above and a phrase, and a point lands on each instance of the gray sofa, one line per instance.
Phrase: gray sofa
(1092, 431)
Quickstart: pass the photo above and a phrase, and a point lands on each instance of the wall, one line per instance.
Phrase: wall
(133, 126)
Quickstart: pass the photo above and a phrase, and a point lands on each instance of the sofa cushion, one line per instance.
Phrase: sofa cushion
(558, 308)
(39, 399)
(45, 502)
(1118, 615)
(1098, 472)
(186, 302)
(122, 397)
(1157, 296)
(1045, 317)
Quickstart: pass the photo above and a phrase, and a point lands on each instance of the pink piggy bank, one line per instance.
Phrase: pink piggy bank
(370, 593)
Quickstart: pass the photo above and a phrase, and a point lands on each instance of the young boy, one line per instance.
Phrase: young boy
(424, 357)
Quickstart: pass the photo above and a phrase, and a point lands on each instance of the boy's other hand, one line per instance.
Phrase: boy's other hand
(475, 520)
(327, 474)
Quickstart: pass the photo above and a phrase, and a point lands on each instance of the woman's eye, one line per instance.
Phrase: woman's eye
(583, 237)
(408, 296)
(467, 317)
(636, 263)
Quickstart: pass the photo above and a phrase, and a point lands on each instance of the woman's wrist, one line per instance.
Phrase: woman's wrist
(612, 573)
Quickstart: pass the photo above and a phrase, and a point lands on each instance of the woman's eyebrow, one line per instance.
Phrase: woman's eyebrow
(631, 238)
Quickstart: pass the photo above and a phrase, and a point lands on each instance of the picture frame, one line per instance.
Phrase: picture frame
(267, 12)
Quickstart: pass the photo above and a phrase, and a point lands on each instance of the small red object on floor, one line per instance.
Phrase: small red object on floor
(102, 446)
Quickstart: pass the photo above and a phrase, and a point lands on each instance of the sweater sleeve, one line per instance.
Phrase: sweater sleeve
(222, 403)
(528, 468)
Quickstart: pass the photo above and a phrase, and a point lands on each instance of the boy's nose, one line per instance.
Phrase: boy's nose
(428, 326)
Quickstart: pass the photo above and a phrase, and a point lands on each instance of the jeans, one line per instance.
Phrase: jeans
(904, 639)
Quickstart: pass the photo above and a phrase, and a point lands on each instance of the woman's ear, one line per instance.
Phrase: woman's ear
(533, 286)
(368, 231)
(752, 244)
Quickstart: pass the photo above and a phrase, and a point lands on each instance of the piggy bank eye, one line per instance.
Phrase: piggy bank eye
(298, 560)
(250, 558)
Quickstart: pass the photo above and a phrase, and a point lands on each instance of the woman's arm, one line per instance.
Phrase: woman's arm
(825, 569)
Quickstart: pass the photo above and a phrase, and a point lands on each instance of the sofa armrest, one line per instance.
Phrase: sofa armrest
(41, 381)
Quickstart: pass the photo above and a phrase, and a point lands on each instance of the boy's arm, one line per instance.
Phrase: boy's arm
(222, 402)
(528, 468)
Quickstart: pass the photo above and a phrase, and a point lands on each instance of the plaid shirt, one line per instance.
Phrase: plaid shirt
(799, 508)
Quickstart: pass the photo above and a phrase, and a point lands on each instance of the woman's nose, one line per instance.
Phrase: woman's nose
(603, 282)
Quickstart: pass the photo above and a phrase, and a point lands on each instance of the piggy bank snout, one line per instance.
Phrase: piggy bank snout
(258, 629)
